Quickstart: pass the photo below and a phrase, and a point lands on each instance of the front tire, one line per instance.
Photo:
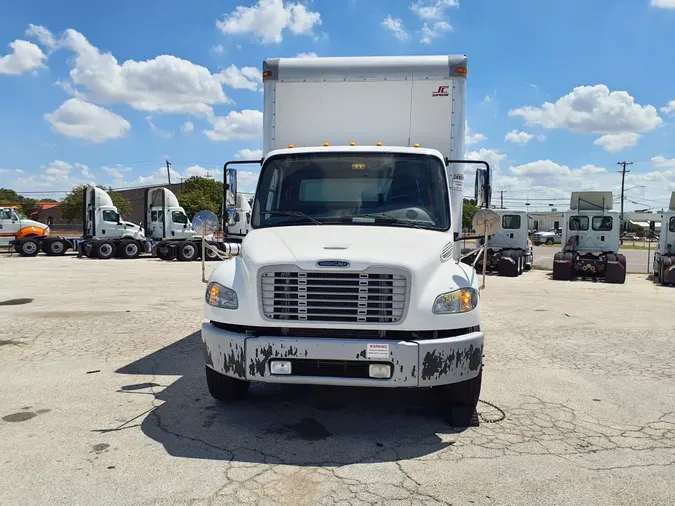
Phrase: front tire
(29, 248)
(459, 400)
(225, 388)
(549, 242)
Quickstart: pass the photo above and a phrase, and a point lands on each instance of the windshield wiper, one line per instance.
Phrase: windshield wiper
(297, 214)
(385, 217)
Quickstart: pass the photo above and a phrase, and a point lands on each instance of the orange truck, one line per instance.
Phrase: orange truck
(13, 227)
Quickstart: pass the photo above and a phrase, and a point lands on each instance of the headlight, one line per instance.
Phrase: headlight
(218, 295)
(457, 301)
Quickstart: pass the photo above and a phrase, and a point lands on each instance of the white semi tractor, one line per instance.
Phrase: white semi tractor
(664, 258)
(105, 233)
(350, 274)
(590, 240)
(236, 217)
(509, 249)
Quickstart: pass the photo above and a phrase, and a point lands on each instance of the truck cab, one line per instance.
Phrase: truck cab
(509, 248)
(664, 258)
(103, 220)
(590, 240)
(165, 217)
(14, 227)
(350, 274)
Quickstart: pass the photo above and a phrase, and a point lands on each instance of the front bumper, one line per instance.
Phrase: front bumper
(421, 363)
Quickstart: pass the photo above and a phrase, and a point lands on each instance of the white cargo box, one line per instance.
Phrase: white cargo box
(396, 101)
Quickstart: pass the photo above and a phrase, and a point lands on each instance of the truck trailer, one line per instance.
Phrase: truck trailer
(590, 240)
(350, 274)
(664, 258)
(509, 249)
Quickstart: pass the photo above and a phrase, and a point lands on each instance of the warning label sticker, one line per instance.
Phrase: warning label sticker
(458, 182)
(377, 350)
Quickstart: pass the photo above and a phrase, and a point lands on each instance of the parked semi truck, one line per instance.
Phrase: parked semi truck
(105, 233)
(14, 229)
(350, 274)
(509, 249)
(236, 216)
(664, 258)
(590, 240)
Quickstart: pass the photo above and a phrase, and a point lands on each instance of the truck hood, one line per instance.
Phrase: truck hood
(32, 223)
(361, 246)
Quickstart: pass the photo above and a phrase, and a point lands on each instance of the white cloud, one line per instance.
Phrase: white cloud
(593, 109)
(219, 49)
(247, 181)
(426, 10)
(492, 157)
(307, 55)
(2, 171)
(165, 83)
(56, 171)
(159, 177)
(25, 56)
(268, 19)
(43, 35)
(516, 137)
(78, 119)
(19, 171)
(486, 100)
(84, 169)
(613, 143)
(436, 30)
(116, 172)
(247, 78)
(663, 4)
(661, 162)
(198, 170)
(670, 108)
(162, 133)
(188, 126)
(395, 26)
(243, 125)
(473, 138)
(249, 154)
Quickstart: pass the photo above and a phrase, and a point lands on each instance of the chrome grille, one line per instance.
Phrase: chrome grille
(320, 296)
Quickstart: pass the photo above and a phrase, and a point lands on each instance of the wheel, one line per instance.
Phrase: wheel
(549, 242)
(224, 388)
(29, 247)
(458, 401)
(103, 249)
(54, 247)
(209, 255)
(665, 264)
(129, 248)
(187, 252)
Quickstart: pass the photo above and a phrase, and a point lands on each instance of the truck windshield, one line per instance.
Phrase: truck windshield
(179, 217)
(384, 189)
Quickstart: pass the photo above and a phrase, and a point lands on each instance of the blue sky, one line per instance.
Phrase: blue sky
(558, 92)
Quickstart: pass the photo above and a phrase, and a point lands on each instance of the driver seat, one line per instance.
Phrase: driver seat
(404, 187)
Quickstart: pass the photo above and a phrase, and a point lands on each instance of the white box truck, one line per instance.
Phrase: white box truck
(509, 249)
(350, 274)
(664, 258)
(590, 240)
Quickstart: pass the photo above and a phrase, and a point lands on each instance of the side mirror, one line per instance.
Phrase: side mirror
(185, 226)
(483, 188)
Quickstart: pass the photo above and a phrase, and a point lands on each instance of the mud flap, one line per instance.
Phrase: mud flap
(508, 266)
(615, 273)
(562, 267)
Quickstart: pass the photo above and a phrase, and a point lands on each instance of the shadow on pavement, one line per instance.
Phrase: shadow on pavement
(285, 424)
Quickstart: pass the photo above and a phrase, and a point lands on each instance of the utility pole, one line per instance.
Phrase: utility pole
(168, 172)
(623, 180)
(502, 199)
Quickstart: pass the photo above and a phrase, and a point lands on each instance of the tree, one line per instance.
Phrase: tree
(199, 194)
(71, 205)
(29, 206)
(48, 200)
(9, 197)
(469, 210)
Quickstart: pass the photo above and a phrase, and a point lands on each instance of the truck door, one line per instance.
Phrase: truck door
(601, 236)
(111, 224)
(9, 225)
(156, 224)
(179, 225)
